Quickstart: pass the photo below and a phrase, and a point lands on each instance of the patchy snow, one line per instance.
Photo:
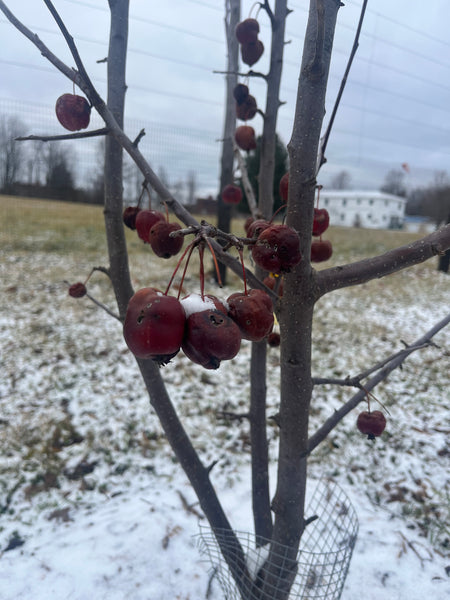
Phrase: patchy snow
(194, 303)
(92, 502)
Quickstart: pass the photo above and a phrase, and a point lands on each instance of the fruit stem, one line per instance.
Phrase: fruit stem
(201, 251)
(145, 185)
(191, 249)
(188, 247)
(211, 249)
(140, 196)
(318, 187)
(244, 276)
(277, 211)
(167, 211)
(369, 395)
(89, 276)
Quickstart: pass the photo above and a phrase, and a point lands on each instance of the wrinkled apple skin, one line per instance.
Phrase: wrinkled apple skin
(163, 245)
(231, 194)
(73, 112)
(371, 423)
(277, 249)
(253, 313)
(145, 219)
(321, 221)
(211, 336)
(321, 250)
(154, 325)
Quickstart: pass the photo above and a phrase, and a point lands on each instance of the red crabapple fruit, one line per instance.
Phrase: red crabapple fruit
(73, 112)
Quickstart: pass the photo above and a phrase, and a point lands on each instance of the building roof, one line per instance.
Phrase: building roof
(361, 194)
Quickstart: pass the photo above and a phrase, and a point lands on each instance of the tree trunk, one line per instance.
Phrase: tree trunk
(232, 18)
(113, 208)
(298, 303)
(262, 515)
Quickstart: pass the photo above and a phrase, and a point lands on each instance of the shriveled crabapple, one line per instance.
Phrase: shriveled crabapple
(145, 219)
(231, 194)
(247, 109)
(247, 31)
(162, 243)
(129, 216)
(321, 250)
(321, 221)
(277, 249)
(371, 424)
(240, 93)
(154, 325)
(253, 313)
(73, 112)
(210, 336)
(245, 137)
(252, 52)
(256, 227)
(77, 290)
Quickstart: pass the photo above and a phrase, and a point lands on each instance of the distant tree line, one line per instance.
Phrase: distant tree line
(49, 170)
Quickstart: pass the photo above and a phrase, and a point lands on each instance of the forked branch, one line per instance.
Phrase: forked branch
(395, 362)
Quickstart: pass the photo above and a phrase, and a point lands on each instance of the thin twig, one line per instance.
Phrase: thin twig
(393, 364)
(249, 192)
(250, 73)
(65, 136)
(105, 308)
(324, 141)
(355, 381)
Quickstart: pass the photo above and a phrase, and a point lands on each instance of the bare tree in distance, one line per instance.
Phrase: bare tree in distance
(284, 516)
(394, 183)
(341, 181)
(11, 153)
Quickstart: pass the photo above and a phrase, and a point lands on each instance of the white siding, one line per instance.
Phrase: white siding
(373, 210)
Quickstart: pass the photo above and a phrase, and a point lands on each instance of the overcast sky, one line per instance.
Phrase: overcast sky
(395, 109)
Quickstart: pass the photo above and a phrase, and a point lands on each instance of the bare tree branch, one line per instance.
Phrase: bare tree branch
(103, 307)
(395, 361)
(324, 141)
(249, 192)
(355, 381)
(375, 267)
(65, 136)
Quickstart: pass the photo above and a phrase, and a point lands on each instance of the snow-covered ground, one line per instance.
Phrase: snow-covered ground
(92, 503)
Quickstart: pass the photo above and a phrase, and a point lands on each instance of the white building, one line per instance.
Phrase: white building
(375, 210)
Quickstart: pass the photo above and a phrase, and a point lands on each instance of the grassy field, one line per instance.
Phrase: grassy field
(68, 228)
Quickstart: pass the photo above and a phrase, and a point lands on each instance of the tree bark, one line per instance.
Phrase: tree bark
(298, 303)
(262, 515)
(232, 17)
(113, 206)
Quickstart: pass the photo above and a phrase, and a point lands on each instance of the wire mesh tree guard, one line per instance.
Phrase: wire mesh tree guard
(323, 558)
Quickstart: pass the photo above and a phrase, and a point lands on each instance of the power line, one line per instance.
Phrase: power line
(131, 86)
(152, 22)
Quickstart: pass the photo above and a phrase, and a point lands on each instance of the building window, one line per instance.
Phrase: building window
(370, 201)
(344, 201)
(342, 216)
(325, 202)
(358, 201)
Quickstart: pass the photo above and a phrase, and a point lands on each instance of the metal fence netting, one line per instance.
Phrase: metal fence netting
(323, 559)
